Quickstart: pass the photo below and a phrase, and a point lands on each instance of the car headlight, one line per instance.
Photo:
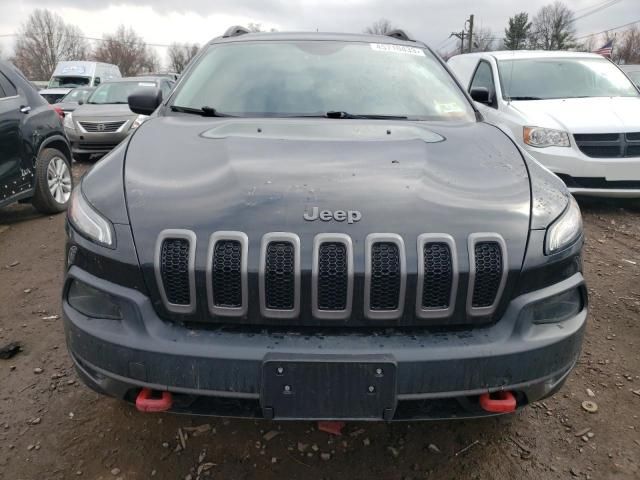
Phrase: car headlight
(565, 229)
(88, 221)
(545, 137)
(68, 121)
(138, 121)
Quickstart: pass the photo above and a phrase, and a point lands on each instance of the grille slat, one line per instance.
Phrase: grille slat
(386, 275)
(332, 276)
(102, 127)
(174, 268)
(227, 274)
(438, 275)
(280, 276)
(488, 273)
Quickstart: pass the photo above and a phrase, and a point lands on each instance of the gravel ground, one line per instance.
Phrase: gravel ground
(52, 427)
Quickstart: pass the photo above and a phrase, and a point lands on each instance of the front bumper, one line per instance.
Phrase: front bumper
(219, 371)
(602, 177)
(94, 143)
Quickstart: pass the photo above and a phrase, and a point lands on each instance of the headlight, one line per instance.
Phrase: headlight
(565, 230)
(554, 309)
(88, 222)
(68, 121)
(545, 137)
(91, 302)
(138, 121)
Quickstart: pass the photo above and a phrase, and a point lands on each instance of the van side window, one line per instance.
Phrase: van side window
(483, 77)
(7, 89)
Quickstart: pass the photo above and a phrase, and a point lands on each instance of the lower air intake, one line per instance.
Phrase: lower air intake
(489, 269)
(279, 276)
(174, 270)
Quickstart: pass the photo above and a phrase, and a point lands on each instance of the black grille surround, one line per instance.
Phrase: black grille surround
(332, 276)
(488, 272)
(437, 276)
(280, 275)
(609, 145)
(227, 282)
(175, 270)
(385, 276)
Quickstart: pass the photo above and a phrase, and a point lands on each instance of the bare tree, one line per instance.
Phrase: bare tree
(180, 54)
(381, 27)
(43, 41)
(126, 49)
(483, 40)
(553, 27)
(627, 47)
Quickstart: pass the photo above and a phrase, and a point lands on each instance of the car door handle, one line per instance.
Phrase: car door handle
(25, 109)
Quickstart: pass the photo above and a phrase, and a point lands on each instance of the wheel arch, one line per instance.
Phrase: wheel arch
(59, 143)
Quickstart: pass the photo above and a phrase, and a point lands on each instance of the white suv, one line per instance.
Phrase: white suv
(576, 113)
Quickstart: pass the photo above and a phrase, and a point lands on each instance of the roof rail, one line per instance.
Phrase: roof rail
(400, 35)
(235, 31)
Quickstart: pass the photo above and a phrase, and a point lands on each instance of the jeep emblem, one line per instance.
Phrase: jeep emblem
(351, 216)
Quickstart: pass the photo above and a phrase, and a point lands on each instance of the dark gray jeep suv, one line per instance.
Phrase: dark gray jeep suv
(321, 226)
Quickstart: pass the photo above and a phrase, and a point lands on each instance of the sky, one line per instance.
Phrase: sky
(162, 22)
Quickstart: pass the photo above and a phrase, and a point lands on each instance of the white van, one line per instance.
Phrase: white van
(69, 75)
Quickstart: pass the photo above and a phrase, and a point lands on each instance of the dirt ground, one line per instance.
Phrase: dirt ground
(52, 427)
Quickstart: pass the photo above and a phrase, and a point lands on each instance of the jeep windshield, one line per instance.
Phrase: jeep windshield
(68, 82)
(117, 92)
(319, 78)
(551, 78)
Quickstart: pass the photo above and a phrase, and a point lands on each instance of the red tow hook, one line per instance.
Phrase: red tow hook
(498, 402)
(145, 402)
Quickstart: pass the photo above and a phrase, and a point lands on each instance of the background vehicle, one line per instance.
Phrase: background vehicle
(75, 97)
(283, 234)
(69, 75)
(105, 119)
(35, 158)
(576, 113)
(633, 72)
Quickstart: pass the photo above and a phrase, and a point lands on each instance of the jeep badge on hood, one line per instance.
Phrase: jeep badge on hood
(351, 216)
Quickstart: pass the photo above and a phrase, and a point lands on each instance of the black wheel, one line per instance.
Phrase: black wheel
(54, 181)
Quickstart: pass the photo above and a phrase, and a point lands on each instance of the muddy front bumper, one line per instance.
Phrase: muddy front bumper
(233, 372)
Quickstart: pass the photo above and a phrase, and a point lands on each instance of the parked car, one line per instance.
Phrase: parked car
(105, 119)
(633, 72)
(74, 98)
(73, 74)
(35, 158)
(286, 233)
(576, 113)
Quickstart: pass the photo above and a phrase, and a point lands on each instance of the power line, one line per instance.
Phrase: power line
(161, 45)
(609, 29)
(607, 4)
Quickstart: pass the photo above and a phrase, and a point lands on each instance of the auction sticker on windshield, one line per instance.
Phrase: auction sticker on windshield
(388, 47)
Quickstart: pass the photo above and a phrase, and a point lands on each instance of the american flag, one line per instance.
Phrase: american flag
(606, 49)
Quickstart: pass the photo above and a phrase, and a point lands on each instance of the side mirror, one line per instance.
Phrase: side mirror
(96, 81)
(144, 101)
(481, 95)
(80, 102)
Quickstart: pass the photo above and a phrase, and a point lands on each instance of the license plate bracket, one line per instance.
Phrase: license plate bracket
(329, 388)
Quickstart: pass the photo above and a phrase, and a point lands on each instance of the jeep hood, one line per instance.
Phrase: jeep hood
(260, 175)
(582, 115)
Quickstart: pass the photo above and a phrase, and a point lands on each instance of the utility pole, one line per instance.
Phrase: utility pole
(470, 39)
(461, 35)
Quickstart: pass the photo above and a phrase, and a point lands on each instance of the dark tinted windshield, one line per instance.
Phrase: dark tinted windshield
(68, 82)
(77, 95)
(545, 78)
(117, 92)
(305, 78)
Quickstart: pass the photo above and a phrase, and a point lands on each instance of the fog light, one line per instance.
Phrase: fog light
(556, 308)
(92, 302)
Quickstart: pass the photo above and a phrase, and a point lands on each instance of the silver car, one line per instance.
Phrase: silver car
(104, 120)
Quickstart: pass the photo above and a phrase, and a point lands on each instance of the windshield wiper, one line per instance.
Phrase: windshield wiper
(204, 111)
(347, 115)
(525, 98)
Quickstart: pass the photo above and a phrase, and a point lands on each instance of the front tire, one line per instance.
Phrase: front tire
(54, 182)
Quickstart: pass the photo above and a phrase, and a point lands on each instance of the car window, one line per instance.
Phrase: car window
(548, 78)
(117, 92)
(166, 88)
(635, 76)
(68, 82)
(284, 78)
(483, 77)
(7, 89)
